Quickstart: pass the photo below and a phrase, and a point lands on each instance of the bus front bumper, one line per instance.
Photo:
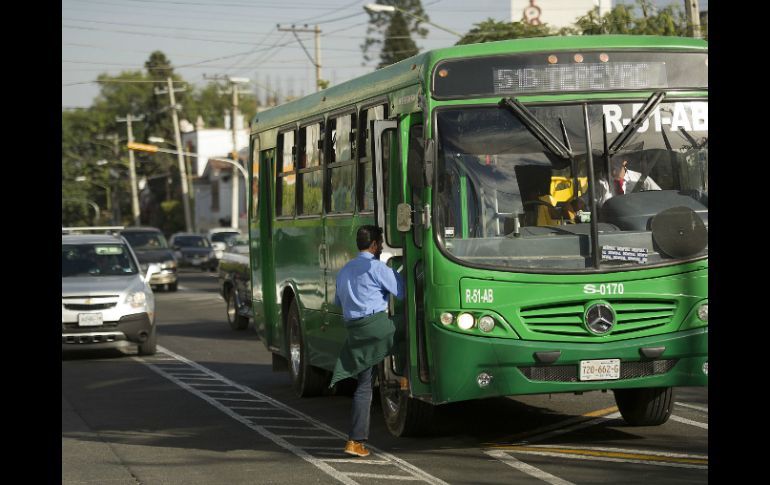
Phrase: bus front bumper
(514, 368)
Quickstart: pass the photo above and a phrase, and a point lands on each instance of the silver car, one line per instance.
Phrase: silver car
(106, 301)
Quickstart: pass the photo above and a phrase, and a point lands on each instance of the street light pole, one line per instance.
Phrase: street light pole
(132, 166)
(378, 8)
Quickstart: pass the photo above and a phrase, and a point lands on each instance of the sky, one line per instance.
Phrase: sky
(241, 38)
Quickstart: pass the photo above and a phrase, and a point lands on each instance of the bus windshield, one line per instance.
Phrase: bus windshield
(503, 200)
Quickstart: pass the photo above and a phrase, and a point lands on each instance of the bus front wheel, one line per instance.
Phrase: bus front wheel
(651, 406)
(305, 379)
(404, 415)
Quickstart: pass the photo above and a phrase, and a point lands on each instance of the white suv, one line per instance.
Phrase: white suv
(106, 301)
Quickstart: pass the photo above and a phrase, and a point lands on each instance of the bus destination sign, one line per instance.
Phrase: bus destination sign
(580, 77)
(569, 72)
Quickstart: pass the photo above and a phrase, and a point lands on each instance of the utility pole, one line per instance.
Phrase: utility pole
(319, 83)
(180, 157)
(692, 10)
(129, 119)
(234, 192)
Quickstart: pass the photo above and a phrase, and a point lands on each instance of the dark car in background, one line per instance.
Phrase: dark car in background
(150, 246)
(235, 282)
(193, 250)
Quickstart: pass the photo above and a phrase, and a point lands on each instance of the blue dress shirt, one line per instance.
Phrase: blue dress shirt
(363, 285)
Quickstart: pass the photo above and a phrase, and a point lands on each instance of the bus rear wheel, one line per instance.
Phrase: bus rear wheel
(306, 380)
(404, 415)
(651, 406)
(235, 319)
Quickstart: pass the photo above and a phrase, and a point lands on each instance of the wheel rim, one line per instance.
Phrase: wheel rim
(392, 401)
(231, 307)
(294, 349)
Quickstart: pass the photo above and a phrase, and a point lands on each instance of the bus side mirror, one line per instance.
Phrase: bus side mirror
(403, 217)
(430, 158)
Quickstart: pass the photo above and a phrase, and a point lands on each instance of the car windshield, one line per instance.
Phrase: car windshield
(503, 200)
(191, 242)
(145, 240)
(223, 236)
(96, 260)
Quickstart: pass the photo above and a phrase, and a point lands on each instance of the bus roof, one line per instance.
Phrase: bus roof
(412, 70)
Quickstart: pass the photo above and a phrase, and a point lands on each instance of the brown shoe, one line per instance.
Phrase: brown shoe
(356, 448)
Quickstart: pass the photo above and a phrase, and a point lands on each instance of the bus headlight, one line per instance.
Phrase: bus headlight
(703, 312)
(447, 318)
(465, 321)
(486, 323)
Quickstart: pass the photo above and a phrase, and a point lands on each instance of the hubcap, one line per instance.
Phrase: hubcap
(294, 351)
(231, 307)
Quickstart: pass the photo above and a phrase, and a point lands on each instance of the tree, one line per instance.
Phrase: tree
(622, 19)
(396, 29)
(491, 30)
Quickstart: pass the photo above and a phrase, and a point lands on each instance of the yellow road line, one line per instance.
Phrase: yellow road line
(605, 454)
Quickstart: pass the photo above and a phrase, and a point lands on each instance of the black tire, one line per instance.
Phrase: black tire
(651, 406)
(404, 415)
(306, 380)
(149, 346)
(171, 286)
(236, 320)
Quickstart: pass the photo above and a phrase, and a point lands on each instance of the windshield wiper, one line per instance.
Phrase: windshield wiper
(636, 122)
(539, 130)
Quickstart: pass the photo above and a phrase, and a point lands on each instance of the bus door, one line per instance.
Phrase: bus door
(387, 161)
(260, 251)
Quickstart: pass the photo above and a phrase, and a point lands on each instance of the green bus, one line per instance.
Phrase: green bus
(491, 169)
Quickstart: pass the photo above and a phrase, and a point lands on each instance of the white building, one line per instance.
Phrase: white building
(212, 180)
(555, 13)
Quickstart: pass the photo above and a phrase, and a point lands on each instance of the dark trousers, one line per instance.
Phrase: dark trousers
(362, 402)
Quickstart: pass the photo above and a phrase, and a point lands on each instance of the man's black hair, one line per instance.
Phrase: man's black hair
(366, 235)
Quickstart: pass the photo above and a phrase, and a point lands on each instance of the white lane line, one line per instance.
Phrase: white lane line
(361, 461)
(690, 422)
(693, 406)
(528, 469)
(388, 477)
(297, 450)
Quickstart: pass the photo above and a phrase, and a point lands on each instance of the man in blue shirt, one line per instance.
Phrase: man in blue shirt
(363, 285)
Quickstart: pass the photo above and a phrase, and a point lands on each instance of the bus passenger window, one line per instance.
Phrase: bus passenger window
(311, 175)
(286, 177)
(341, 164)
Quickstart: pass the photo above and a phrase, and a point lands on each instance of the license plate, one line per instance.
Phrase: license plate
(90, 319)
(599, 370)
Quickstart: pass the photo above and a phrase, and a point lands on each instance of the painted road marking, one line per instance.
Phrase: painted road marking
(693, 406)
(502, 451)
(690, 422)
(401, 469)
(618, 455)
(503, 456)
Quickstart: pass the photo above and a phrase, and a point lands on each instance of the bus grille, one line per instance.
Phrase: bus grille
(567, 319)
(569, 373)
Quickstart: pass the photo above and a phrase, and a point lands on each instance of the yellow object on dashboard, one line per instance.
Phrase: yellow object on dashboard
(561, 188)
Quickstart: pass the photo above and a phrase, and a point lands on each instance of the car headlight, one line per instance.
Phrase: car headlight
(170, 264)
(136, 299)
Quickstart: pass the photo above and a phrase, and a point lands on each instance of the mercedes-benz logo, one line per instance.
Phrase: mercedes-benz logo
(599, 318)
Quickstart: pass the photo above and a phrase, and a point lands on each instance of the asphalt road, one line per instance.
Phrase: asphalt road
(208, 409)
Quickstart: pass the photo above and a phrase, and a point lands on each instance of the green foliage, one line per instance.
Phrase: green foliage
(93, 134)
(395, 30)
(491, 30)
(173, 216)
(622, 19)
